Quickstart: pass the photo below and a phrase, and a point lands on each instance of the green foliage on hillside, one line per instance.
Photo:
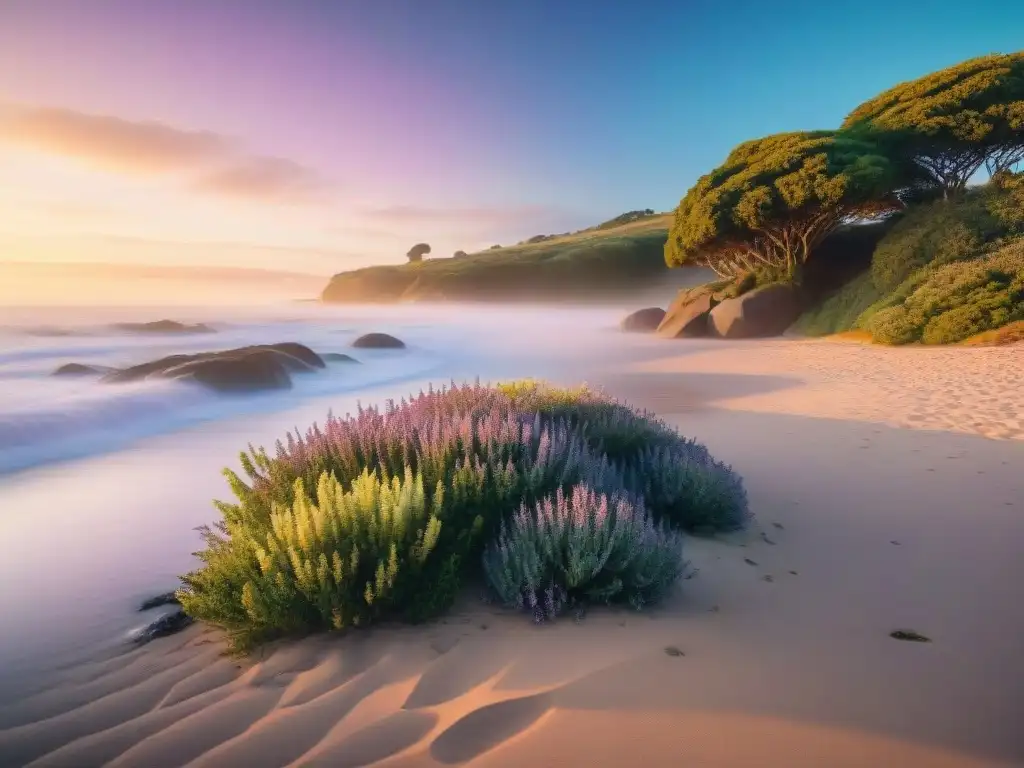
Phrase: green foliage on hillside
(775, 199)
(948, 123)
(947, 303)
(593, 264)
(946, 271)
(944, 231)
(627, 218)
(839, 312)
(904, 157)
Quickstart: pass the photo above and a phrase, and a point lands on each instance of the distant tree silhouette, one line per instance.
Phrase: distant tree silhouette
(417, 252)
(459, 254)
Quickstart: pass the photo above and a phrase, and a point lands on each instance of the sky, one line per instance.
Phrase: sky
(319, 136)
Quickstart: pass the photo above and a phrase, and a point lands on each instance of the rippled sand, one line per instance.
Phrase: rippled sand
(777, 653)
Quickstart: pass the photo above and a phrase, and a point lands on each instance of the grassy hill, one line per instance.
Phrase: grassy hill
(596, 264)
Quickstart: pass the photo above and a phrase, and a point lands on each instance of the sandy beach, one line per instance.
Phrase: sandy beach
(888, 490)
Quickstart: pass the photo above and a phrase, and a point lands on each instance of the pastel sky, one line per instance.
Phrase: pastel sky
(320, 136)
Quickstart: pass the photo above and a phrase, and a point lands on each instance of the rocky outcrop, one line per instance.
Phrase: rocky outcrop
(378, 341)
(293, 351)
(253, 371)
(687, 316)
(168, 624)
(766, 311)
(167, 598)
(164, 326)
(245, 369)
(337, 357)
(80, 369)
(643, 320)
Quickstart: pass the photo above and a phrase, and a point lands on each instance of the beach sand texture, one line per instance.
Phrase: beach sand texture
(777, 652)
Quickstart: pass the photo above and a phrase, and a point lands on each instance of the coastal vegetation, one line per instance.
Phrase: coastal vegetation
(774, 200)
(942, 261)
(417, 252)
(594, 264)
(550, 497)
(946, 271)
(862, 223)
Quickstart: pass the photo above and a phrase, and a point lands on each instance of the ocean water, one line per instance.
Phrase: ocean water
(103, 485)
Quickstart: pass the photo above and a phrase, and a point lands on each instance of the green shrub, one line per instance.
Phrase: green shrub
(932, 233)
(385, 514)
(679, 480)
(839, 312)
(581, 547)
(943, 304)
(944, 231)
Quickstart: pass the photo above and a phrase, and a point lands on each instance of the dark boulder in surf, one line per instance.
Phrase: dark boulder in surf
(297, 351)
(167, 598)
(378, 341)
(246, 369)
(80, 369)
(251, 372)
(168, 624)
(164, 326)
(338, 357)
(643, 320)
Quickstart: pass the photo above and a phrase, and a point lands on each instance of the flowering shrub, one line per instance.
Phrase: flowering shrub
(580, 547)
(385, 513)
(678, 478)
(338, 560)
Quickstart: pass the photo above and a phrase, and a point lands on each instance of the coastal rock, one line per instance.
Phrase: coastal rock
(168, 598)
(337, 357)
(643, 320)
(245, 369)
(766, 311)
(295, 350)
(164, 326)
(80, 369)
(378, 341)
(251, 372)
(167, 624)
(687, 316)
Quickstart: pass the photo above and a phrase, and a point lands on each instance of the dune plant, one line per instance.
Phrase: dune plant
(678, 478)
(582, 546)
(385, 513)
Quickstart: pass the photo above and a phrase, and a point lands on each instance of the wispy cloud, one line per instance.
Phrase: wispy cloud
(270, 179)
(111, 142)
(208, 162)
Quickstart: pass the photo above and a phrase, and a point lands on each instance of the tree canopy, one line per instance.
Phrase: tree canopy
(418, 251)
(952, 121)
(774, 199)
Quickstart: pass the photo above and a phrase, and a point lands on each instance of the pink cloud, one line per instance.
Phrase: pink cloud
(214, 164)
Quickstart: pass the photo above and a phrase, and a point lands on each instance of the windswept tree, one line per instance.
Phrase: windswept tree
(953, 121)
(774, 199)
(417, 252)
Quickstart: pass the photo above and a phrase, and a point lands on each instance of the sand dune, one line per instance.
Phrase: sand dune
(776, 653)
